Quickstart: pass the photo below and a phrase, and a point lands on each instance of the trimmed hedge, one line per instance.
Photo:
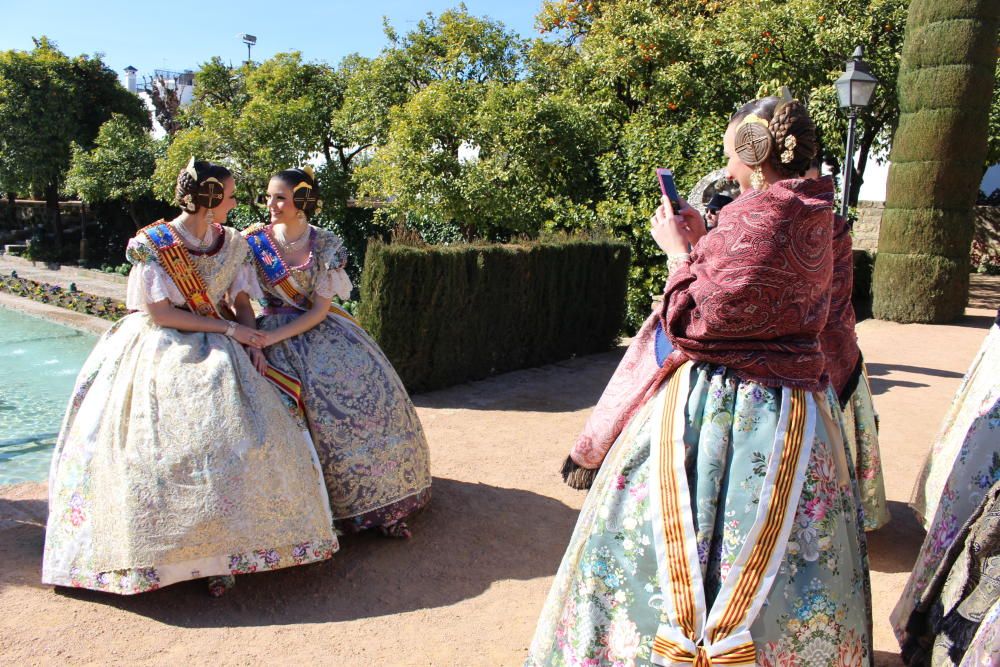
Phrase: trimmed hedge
(449, 314)
(937, 159)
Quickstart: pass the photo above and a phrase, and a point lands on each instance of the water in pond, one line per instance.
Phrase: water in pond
(39, 362)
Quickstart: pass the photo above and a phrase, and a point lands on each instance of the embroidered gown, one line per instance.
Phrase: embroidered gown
(177, 459)
(369, 439)
(962, 466)
(724, 521)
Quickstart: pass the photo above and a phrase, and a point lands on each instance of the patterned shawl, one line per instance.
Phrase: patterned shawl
(754, 298)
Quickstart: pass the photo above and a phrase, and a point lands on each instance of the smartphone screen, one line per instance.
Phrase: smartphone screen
(667, 187)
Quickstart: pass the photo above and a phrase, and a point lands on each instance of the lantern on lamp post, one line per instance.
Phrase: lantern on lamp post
(855, 89)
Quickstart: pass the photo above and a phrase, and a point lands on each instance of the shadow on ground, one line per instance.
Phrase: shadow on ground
(471, 536)
(894, 547)
(880, 383)
(527, 390)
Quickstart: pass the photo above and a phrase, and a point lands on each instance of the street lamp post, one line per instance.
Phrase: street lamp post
(249, 40)
(855, 89)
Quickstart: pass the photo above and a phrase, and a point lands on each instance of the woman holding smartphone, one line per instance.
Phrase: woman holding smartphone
(722, 526)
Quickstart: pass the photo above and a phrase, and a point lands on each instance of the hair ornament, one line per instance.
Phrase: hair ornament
(789, 153)
(753, 140)
(191, 171)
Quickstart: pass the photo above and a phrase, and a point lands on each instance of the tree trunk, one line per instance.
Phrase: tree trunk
(946, 82)
(55, 218)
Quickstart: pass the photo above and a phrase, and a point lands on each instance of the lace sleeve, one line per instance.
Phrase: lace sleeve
(149, 283)
(333, 282)
(674, 261)
(245, 282)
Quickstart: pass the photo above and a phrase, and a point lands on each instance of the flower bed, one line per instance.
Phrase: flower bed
(98, 306)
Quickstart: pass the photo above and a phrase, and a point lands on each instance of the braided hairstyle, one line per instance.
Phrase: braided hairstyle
(203, 189)
(793, 142)
(305, 195)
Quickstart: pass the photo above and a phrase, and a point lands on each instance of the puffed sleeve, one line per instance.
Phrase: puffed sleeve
(333, 279)
(147, 281)
(245, 282)
(333, 282)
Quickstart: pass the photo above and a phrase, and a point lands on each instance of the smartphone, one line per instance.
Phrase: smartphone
(667, 187)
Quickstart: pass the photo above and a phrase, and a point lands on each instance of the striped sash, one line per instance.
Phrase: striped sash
(694, 634)
(277, 274)
(176, 261)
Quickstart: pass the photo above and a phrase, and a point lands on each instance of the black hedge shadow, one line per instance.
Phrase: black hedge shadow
(470, 536)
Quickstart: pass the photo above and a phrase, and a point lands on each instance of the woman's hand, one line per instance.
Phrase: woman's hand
(258, 359)
(674, 230)
(249, 337)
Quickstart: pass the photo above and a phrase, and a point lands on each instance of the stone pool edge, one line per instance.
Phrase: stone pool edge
(63, 316)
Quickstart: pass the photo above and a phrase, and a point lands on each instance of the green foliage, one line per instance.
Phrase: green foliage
(473, 151)
(48, 102)
(119, 167)
(445, 315)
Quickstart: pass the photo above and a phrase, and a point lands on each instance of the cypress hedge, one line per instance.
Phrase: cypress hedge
(449, 314)
(945, 86)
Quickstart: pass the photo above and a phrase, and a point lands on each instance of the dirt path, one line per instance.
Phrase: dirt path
(468, 588)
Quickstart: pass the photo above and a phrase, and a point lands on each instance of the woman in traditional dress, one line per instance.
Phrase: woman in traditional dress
(177, 459)
(958, 474)
(723, 526)
(369, 439)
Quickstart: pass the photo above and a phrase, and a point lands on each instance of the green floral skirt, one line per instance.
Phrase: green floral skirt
(725, 526)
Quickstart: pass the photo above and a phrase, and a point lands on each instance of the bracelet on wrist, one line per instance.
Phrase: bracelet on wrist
(231, 329)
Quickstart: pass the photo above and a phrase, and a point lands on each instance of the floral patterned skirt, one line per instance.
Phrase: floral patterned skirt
(370, 442)
(962, 466)
(861, 429)
(177, 460)
(613, 602)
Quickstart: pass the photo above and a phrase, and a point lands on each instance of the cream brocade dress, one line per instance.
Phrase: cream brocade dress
(177, 459)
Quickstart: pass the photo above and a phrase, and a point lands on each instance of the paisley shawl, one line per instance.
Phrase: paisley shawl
(754, 297)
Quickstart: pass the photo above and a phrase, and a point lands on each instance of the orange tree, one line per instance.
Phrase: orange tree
(663, 76)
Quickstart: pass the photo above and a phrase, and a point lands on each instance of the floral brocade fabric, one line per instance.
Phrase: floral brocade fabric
(756, 293)
(861, 432)
(178, 460)
(607, 600)
(960, 469)
(368, 436)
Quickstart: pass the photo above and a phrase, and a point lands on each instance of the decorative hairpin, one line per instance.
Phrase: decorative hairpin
(191, 171)
(789, 153)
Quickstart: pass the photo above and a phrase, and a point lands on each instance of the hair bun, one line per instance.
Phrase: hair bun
(794, 134)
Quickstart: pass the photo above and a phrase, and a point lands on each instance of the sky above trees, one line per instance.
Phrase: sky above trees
(184, 34)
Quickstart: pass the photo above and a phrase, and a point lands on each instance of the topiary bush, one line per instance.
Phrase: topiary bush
(450, 314)
(945, 89)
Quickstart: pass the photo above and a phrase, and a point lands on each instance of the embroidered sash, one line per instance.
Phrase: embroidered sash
(176, 261)
(278, 275)
(694, 634)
